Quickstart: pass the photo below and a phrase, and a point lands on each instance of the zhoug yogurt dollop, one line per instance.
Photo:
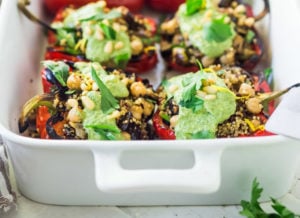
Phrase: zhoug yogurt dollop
(209, 30)
(199, 113)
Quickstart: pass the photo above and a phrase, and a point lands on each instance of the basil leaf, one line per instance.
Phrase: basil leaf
(108, 101)
(192, 6)
(59, 69)
(217, 30)
(108, 31)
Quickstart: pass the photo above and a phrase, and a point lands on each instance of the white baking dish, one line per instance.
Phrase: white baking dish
(195, 172)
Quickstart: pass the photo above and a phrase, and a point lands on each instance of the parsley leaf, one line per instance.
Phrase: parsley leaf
(108, 101)
(217, 30)
(252, 209)
(192, 6)
(108, 31)
(193, 103)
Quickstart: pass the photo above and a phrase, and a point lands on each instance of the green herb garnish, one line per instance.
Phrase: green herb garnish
(193, 103)
(204, 134)
(250, 36)
(107, 131)
(59, 69)
(252, 208)
(192, 6)
(108, 101)
(217, 30)
(268, 73)
(108, 31)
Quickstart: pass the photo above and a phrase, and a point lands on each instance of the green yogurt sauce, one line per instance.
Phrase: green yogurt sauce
(199, 117)
(207, 29)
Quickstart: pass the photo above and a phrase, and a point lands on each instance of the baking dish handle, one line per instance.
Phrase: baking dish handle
(203, 177)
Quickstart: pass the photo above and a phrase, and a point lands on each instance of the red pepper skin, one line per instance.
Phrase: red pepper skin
(41, 119)
(262, 133)
(181, 68)
(162, 130)
(165, 5)
(53, 6)
(46, 85)
(146, 62)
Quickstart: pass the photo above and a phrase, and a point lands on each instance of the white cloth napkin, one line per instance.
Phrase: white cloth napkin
(7, 196)
(286, 118)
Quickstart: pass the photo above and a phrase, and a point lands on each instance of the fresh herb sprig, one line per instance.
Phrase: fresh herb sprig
(252, 208)
(217, 30)
(108, 101)
(192, 6)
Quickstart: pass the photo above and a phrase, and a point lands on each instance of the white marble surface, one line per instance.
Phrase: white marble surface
(29, 209)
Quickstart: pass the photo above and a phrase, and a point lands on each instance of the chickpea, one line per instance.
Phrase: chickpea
(207, 61)
(137, 112)
(227, 58)
(74, 115)
(148, 108)
(246, 90)
(136, 46)
(126, 135)
(170, 26)
(74, 81)
(254, 106)
(138, 89)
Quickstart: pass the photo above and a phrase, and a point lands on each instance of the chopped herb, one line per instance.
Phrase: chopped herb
(199, 65)
(193, 103)
(109, 32)
(108, 101)
(204, 134)
(121, 59)
(165, 116)
(268, 73)
(252, 208)
(66, 35)
(59, 69)
(192, 6)
(250, 36)
(217, 30)
(107, 131)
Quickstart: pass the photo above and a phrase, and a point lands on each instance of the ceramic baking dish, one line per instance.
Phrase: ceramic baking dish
(194, 172)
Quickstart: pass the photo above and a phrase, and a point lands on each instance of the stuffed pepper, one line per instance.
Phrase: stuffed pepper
(215, 102)
(211, 33)
(87, 101)
(111, 36)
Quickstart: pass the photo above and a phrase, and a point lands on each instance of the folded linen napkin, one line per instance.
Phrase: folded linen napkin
(7, 196)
